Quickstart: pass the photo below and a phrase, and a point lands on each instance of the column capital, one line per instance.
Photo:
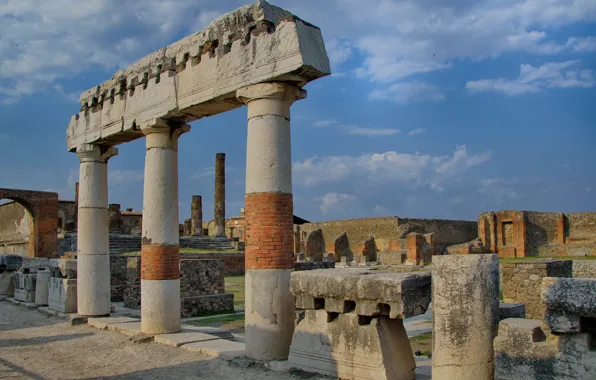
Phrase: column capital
(159, 125)
(273, 90)
(96, 153)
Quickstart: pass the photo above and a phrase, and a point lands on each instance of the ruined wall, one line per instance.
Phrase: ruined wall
(67, 216)
(389, 231)
(233, 262)
(132, 222)
(15, 228)
(541, 230)
(584, 268)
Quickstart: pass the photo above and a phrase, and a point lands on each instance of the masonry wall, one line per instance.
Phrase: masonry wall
(15, 228)
(233, 262)
(131, 223)
(447, 232)
(67, 216)
(584, 268)
(541, 230)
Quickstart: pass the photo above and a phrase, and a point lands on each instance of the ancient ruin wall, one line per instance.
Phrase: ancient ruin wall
(541, 229)
(15, 229)
(447, 232)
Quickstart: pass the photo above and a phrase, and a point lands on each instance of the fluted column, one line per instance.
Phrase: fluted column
(269, 249)
(160, 253)
(93, 247)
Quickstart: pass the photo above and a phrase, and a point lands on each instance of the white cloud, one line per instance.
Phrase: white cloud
(338, 51)
(503, 189)
(324, 123)
(335, 202)
(416, 131)
(404, 93)
(537, 79)
(206, 172)
(416, 170)
(373, 131)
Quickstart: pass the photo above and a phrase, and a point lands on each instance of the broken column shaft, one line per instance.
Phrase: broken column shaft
(219, 207)
(196, 215)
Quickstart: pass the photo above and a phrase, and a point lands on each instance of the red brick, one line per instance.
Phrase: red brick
(160, 262)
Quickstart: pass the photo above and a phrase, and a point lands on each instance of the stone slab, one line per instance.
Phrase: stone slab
(126, 328)
(220, 333)
(222, 348)
(183, 337)
(102, 323)
(24, 295)
(399, 295)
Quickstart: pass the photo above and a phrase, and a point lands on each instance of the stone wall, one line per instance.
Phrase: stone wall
(541, 230)
(201, 277)
(233, 262)
(131, 222)
(118, 265)
(388, 231)
(521, 282)
(15, 229)
(67, 216)
(132, 291)
(584, 268)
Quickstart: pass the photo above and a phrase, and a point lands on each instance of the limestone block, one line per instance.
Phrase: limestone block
(7, 283)
(30, 282)
(63, 268)
(348, 347)
(315, 245)
(567, 300)
(42, 287)
(11, 262)
(63, 295)
(197, 75)
(24, 295)
(465, 295)
(400, 295)
(31, 264)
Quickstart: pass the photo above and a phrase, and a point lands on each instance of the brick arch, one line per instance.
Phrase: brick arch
(43, 207)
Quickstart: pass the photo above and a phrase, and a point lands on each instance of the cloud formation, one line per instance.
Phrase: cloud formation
(538, 79)
(333, 202)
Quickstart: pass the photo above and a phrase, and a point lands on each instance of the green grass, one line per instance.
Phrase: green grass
(235, 285)
(422, 343)
(522, 259)
(234, 323)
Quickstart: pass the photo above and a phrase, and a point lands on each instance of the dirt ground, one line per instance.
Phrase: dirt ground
(36, 346)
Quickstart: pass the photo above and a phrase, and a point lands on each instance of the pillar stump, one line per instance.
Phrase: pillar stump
(196, 215)
(160, 253)
(465, 297)
(269, 220)
(93, 247)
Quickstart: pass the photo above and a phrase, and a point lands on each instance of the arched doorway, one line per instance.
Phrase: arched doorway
(35, 215)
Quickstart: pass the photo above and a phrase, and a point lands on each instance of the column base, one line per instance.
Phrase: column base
(160, 306)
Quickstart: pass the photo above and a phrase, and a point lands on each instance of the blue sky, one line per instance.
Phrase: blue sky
(441, 109)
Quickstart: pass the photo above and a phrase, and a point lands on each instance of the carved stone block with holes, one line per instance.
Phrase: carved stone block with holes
(350, 320)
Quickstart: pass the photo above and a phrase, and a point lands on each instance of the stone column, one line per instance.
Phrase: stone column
(219, 207)
(465, 296)
(93, 252)
(76, 213)
(196, 215)
(160, 253)
(269, 220)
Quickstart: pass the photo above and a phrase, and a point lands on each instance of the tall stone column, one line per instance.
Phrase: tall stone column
(219, 207)
(465, 295)
(196, 215)
(93, 252)
(160, 253)
(269, 220)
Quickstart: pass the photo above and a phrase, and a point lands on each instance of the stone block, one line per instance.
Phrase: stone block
(23, 295)
(222, 348)
(400, 295)
(350, 347)
(511, 310)
(10, 262)
(567, 300)
(31, 264)
(62, 295)
(63, 268)
(207, 304)
(7, 283)
(315, 245)
(42, 287)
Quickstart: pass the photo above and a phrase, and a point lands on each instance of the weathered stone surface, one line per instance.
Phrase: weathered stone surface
(348, 347)
(206, 304)
(201, 277)
(341, 246)
(312, 265)
(521, 282)
(584, 268)
(567, 300)
(24, 295)
(117, 277)
(63, 268)
(221, 348)
(63, 295)
(10, 262)
(42, 287)
(465, 295)
(198, 75)
(183, 337)
(370, 249)
(524, 351)
(31, 264)
(315, 245)
(7, 283)
(132, 292)
(399, 295)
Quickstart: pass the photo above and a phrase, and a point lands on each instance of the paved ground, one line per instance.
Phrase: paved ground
(36, 346)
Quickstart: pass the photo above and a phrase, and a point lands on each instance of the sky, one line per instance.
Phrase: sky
(435, 108)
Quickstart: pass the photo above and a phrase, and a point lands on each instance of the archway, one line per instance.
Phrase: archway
(42, 208)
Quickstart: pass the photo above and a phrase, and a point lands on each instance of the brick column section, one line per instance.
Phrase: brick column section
(160, 253)
(269, 253)
(196, 215)
(93, 245)
(219, 206)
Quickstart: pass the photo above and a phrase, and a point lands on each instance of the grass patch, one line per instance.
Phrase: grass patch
(235, 285)
(234, 323)
(422, 343)
(187, 250)
(532, 258)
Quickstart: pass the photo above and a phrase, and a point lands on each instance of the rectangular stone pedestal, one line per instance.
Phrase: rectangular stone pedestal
(349, 346)
(6, 283)
(24, 286)
(24, 295)
(63, 295)
(209, 304)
